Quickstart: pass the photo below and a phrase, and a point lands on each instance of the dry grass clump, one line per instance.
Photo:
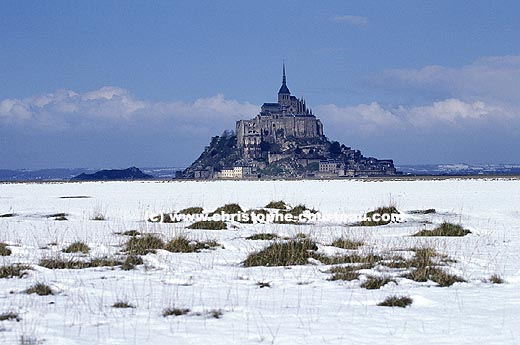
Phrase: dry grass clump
(424, 267)
(99, 216)
(167, 218)
(216, 313)
(122, 304)
(365, 261)
(56, 215)
(131, 233)
(496, 279)
(264, 237)
(435, 274)
(40, 289)
(15, 270)
(396, 301)
(445, 229)
(60, 263)
(262, 285)
(344, 273)
(292, 252)
(130, 262)
(373, 282)
(173, 311)
(208, 225)
(247, 217)
(346, 243)
(426, 211)
(9, 316)
(379, 211)
(228, 209)
(294, 213)
(181, 244)
(4, 251)
(77, 247)
(192, 210)
(143, 245)
(279, 205)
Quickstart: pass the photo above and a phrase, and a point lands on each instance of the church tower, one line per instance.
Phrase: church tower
(284, 95)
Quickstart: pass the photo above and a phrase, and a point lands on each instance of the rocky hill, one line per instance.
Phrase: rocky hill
(132, 173)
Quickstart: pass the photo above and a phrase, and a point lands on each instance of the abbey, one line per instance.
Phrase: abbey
(288, 118)
(284, 140)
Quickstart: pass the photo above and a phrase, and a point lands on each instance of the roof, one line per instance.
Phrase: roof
(284, 89)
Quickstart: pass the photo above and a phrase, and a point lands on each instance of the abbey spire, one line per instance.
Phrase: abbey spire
(284, 95)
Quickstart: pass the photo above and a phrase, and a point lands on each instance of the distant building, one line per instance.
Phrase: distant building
(237, 172)
(289, 117)
(284, 140)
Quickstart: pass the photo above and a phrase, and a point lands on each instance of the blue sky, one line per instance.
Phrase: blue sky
(147, 83)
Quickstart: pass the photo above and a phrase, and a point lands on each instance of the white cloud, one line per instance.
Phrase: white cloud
(350, 19)
(492, 78)
(451, 111)
(14, 109)
(375, 117)
(365, 117)
(108, 105)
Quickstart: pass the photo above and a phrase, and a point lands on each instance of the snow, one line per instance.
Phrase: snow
(301, 307)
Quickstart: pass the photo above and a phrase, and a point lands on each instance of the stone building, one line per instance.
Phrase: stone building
(285, 140)
(288, 118)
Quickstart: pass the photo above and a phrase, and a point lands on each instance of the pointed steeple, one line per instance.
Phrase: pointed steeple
(284, 89)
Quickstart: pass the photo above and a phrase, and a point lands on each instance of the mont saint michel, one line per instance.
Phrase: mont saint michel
(284, 140)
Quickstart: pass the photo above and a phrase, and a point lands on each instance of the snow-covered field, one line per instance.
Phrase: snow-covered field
(301, 306)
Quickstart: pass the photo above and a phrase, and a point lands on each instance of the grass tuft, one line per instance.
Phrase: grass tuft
(292, 252)
(279, 205)
(263, 284)
(182, 244)
(4, 251)
(297, 210)
(131, 261)
(373, 282)
(40, 289)
(122, 304)
(264, 237)
(344, 273)
(192, 210)
(426, 211)
(57, 215)
(131, 233)
(143, 245)
(445, 229)
(77, 247)
(228, 209)
(208, 225)
(423, 274)
(60, 263)
(365, 261)
(216, 313)
(9, 316)
(346, 243)
(15, 270)
(379, 211)
(173, 311)
(396, 301)
(99, 216)
(496, 279)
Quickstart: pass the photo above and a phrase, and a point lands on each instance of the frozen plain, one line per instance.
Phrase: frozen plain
(301, 307)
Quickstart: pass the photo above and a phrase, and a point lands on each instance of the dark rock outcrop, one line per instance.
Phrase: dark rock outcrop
(132, 173)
